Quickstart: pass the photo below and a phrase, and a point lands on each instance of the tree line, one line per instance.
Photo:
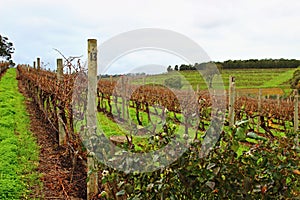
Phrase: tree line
(240, 64)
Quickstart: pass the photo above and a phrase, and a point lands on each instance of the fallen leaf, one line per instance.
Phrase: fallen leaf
(296, 171)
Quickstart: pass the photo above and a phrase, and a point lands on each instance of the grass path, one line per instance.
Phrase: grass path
(18, 148)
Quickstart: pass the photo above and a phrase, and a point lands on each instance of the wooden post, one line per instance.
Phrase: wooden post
(259, 108)
(38, 88)
(296, 109)
(92, 184)
(38, 60)
(34, 64)
(61, 130)
(123, 97)
(231, 100)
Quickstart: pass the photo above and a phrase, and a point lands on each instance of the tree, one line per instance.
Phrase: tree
(183, 67)
(176, 68)
(6, 49)
(169, 69)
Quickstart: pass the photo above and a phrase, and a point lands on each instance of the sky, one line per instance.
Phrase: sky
(231, 29)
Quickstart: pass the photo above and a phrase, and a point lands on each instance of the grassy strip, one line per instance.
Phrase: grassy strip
(280, 79)
(18, 148)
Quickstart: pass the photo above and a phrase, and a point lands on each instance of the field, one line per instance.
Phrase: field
(245, 79)
(256, 157)
(19, 151)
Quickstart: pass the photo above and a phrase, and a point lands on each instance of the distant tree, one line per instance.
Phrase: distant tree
(176, 68)
(6, 49)
(183, 67)
(263, 63)
(192, 67)
(169, 69)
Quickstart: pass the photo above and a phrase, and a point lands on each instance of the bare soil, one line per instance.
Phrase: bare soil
(59, 178)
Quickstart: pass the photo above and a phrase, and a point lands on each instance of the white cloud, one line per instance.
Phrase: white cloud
(230, 29)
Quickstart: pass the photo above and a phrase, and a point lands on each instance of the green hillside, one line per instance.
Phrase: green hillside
(245, 78)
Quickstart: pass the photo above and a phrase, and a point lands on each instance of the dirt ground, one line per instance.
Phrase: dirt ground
(60, 180)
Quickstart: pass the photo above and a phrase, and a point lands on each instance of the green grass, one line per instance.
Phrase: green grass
(281, 79)
(108, 127)
(18, 148)
(141, 142)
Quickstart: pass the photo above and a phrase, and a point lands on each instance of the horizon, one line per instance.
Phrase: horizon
(137, 72)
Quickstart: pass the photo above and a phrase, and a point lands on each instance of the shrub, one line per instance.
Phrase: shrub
(234, 169)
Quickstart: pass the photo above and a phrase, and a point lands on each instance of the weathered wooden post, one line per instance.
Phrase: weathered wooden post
(296, 109)
(123, 97)
(259, 108)
(231, 100)
(34, 64)
(39, 91)
(61, 130)
(38, 60)
(92, 184)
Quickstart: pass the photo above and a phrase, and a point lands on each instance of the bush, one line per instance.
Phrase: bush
(234, 169)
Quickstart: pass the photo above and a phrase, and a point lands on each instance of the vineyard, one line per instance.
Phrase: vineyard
(258, 157)
(52, 95)
(19, 151)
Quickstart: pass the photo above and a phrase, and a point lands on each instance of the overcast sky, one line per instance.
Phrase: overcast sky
(231, 29)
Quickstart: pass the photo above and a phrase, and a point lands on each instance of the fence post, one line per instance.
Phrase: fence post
(61, 130)
(259, 108)
(296, 109)
(92, 184)
(123, 97)
(34, 64)
(231, 100)
(38, 60)
(39, 91)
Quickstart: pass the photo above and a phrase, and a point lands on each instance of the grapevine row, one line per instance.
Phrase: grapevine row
(52, 95)
(3, 67)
